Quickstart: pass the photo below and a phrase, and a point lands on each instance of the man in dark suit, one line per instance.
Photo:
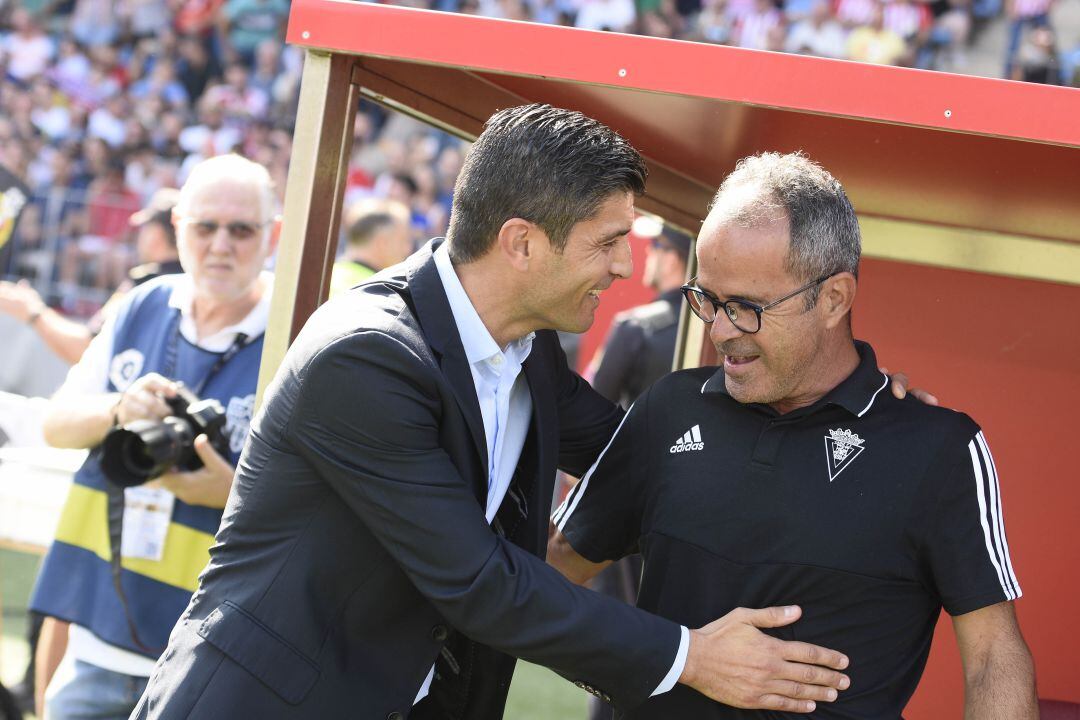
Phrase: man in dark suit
(380, 555)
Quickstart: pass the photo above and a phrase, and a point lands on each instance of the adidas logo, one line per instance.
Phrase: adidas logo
(691, 440)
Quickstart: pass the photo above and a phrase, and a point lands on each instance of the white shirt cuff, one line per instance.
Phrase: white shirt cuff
(676, 667)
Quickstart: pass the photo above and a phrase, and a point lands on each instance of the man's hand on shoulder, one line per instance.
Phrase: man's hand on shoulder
(731, 661)
(898, 383)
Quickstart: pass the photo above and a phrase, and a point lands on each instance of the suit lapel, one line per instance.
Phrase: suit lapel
(544, 425)
(437, 321)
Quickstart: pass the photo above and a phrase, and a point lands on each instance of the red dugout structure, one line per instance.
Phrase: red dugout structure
(968, 191)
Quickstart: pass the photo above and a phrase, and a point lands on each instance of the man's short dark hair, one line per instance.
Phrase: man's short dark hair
(550, 166)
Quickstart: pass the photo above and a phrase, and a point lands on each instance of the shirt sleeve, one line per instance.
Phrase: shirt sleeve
(90, 375)
(601, 516)
(966, 544)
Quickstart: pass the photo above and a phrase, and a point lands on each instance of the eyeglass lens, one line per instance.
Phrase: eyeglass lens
(741, 315)
(237, 229)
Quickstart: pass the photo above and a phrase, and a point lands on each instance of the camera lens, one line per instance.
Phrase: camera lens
(145, 449)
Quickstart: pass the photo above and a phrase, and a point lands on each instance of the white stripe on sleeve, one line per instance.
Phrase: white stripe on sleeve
(570, 504)
(998, 516)
(990, 549)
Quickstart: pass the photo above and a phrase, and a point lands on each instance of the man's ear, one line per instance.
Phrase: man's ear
(836, 298)
(274, 236)
(519, 241)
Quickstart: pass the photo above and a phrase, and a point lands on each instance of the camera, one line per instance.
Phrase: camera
(145, 449)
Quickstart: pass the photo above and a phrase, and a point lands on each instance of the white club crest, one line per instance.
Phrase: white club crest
(841, 449)
(238, 420)
(125, 367)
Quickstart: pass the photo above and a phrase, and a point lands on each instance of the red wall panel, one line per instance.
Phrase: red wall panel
(1007, 352)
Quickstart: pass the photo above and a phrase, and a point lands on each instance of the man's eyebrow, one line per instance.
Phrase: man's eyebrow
(733, 296)
(614, 234)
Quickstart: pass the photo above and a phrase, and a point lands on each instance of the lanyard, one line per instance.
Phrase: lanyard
(169, 367)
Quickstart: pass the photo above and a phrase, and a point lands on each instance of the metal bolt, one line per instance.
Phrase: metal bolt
(948, 113)
(305, 35)
(622, 72)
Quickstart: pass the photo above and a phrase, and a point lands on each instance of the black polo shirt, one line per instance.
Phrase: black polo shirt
(870, 512)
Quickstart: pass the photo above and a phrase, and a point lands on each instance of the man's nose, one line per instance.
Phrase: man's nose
(622, 260)
(220, 241)
(722, 329)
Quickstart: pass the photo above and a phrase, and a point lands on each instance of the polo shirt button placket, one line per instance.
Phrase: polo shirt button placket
(439, 633)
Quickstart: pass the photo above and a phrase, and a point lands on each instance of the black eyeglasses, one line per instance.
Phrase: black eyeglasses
(744, 315)
(237, 229)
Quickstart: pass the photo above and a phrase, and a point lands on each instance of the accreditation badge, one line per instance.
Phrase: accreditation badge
(147, 512)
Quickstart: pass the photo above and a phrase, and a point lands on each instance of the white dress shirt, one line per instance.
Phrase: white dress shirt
(506, 406)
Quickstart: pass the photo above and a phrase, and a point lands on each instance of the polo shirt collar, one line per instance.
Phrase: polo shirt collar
(475, 338)
(856, 393)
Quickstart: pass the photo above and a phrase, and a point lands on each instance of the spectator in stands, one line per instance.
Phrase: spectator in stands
(239, 101)
(204, 328)
(948, 37)
(143, 18)
(613, 15)
(874, 43)
(377, 235)
(95, 23)
(1023, 14)
(162, 82)
(818, 34)
(211, 136)
(250, 22)
(752, 29)
(196, 66)
(27, 50)
(713, 24)
(1037, 60)
(109, 205)
(855, 13)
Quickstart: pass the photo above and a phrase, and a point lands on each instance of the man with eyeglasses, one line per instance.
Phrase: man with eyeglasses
(788, 475)
(203, 328)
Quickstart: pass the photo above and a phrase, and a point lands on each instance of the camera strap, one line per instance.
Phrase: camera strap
(168, 368)
(116, 500)
(115, 493)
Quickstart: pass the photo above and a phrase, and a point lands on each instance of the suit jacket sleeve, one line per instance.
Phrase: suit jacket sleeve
(366, 416)
(587, 420)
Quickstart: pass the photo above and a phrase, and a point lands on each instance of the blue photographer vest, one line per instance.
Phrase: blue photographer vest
(76, 583)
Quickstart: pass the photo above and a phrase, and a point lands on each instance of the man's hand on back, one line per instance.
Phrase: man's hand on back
(731, 661)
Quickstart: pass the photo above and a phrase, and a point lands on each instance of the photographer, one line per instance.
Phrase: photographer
(204, 329)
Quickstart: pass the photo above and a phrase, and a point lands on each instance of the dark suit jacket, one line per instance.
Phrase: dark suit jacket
(354, 542)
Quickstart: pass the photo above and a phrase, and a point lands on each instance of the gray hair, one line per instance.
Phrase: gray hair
(233, 167)
(825, 234)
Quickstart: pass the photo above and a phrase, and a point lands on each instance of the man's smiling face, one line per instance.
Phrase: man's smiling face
(567, 286)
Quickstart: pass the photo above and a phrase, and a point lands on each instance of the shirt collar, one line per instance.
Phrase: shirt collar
(856, 393)
(475, 338)
(252, 325)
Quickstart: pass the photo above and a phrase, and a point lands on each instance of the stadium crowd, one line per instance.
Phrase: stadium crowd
(102, 103)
